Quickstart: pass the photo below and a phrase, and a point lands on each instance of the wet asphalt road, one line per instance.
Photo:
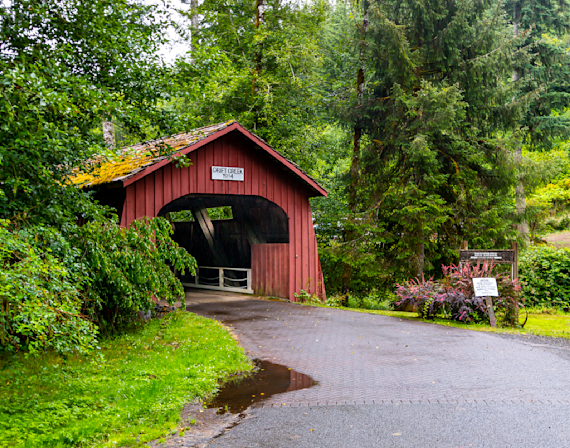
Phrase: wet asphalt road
(403, 426)
(384, 382)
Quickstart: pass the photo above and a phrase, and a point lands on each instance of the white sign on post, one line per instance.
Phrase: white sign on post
(227, 173)
(485, 287)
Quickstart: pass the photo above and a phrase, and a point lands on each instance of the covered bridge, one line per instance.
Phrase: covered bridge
(264, 244)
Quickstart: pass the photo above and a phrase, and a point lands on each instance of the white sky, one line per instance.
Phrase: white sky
(177, 46)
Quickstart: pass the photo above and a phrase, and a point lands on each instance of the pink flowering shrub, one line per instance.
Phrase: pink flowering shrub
(428, 297)
(454, 296)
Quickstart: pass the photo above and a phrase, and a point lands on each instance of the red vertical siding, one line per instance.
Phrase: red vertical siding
(217, 151)
(248, 172)
(285, 268)
(289, 200)
(233, 187)
(298, 214)
(130, 203)
(175, 181)
(184, 183)
(209, 161)
(140, 199)
(158, 191)
(269, 269)
(167, 183)
(201, 171)
(149, 194)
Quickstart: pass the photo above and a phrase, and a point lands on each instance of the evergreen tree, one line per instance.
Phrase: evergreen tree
(544, 68)
(437, 100)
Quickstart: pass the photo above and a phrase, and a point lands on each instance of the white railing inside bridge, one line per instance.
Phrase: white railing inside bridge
(222, 279)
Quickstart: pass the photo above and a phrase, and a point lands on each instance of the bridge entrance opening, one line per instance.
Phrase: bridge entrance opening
(235, 240)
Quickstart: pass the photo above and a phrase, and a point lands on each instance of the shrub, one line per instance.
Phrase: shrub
(429, 298)
(127, 268)
(335, 300)
(378, 300)
(544, 273)
(460, 279)
(59, 289)
(39, 298)
(454, 296)
(306, 298)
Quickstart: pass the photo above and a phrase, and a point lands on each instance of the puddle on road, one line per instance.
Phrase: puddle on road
(270, 379)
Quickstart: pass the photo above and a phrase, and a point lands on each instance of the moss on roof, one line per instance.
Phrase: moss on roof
(133, 159)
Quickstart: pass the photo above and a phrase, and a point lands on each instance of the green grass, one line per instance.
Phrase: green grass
(542, 322)
(133, 394)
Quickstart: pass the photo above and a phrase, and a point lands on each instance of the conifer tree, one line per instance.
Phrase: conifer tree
(544, 70)
(438, 96)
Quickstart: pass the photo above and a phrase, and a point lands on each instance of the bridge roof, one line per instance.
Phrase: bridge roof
(134, 162)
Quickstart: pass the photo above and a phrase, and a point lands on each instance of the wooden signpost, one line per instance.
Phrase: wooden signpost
(487, 287)
(509, 256)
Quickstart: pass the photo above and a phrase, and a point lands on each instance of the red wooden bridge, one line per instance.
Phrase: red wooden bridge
(269, 238)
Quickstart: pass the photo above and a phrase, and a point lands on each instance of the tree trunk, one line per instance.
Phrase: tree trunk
(257, 66)
(193, 26)
(520, 198)
(194, 15)
(355, 162)
(109, 132)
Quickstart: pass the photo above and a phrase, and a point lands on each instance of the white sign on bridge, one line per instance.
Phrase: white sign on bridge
(227, 173)
(485, 287)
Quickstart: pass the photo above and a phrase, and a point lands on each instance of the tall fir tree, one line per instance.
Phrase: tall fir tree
(439, 112)
(543, 69)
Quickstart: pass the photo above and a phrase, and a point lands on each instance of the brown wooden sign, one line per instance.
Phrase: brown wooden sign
(496, 256)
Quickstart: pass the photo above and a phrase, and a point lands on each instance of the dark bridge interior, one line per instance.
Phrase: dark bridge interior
(227, 242)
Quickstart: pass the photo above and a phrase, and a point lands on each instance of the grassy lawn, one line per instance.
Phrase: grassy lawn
(540, 322)
(133, 394)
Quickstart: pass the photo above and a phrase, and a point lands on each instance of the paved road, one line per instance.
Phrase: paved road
(397, 382)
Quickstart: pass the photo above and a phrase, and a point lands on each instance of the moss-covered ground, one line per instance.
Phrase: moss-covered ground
(130, 394)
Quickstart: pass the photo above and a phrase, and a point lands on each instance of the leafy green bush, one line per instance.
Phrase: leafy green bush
(40, 300)
(335, 300)
(59, 289)
(126, 268)
(372, 300)
(307, 299)
(544, 273)
(378, 300)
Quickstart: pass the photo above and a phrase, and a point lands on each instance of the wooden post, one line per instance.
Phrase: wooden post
(491, 312)
(464, 246)
(515, 276)
(515, 264)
